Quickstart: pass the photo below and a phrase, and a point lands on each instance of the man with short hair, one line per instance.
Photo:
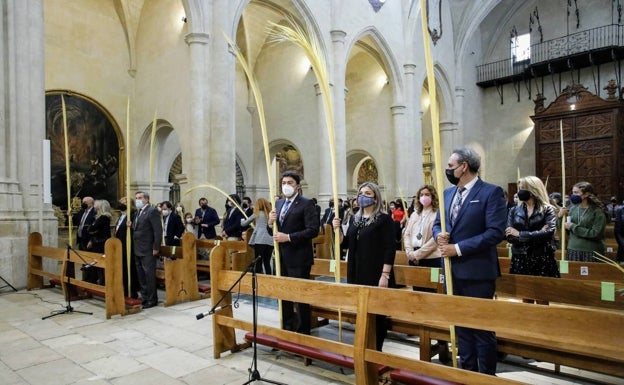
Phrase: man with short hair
(475, 224)
(173, 228)
(297, 224)
(206, 218)
(84, 219)
(146, 240)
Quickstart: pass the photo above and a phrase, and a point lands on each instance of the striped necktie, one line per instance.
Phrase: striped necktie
(457, 204)
(285, 208)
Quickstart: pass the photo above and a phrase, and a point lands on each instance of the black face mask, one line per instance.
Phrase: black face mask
(450, 175)
(123, 207)
(245, 205)
(84, 206)
(204, 207)
(524, 195)
(576, 199)
(331, 204)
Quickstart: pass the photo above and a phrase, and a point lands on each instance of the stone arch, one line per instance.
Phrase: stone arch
(166, 149)
(386, 59)
(356, 159)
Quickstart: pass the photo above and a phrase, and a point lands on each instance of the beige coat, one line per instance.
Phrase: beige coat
(428, 249)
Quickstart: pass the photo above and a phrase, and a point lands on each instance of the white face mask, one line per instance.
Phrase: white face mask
(288, 190)
(165, 213)
(139, 204)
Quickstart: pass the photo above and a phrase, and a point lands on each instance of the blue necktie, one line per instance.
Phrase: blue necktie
(284, 210)
(457, 205)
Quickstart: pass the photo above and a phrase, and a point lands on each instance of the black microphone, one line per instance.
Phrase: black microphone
(211, 311)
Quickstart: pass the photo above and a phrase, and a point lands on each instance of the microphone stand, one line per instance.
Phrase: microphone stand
(68, 306)
(254, 374)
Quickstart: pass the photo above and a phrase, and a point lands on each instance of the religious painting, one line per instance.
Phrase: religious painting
(288, 159)
(93, 149)
(368, 172)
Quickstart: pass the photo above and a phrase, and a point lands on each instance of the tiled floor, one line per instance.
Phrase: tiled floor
(169, 346)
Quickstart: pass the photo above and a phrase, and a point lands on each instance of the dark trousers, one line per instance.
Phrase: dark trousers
(146, 272)
(299, 320)
(477, 348)
(135, 286)
(264, 251)
(381, 330)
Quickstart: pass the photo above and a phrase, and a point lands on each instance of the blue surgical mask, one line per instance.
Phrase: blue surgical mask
(364, 201)
(139, 204)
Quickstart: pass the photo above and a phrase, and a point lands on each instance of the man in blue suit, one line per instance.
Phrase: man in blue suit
(475, 224)
(297, 224)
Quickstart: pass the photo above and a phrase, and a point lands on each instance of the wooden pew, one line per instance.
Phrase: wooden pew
(559, 329)
(241, 253)
(180, 273)
(110, 261)
(583, 294)
(593, 271)
(322, 243)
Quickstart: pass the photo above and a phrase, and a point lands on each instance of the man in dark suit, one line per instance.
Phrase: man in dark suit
(146, 238)
(83, 219)
(121, 229)
(173, 228)
(475, 224)
(206, 218)
(328, 215)
(297, 224)
(232, 229)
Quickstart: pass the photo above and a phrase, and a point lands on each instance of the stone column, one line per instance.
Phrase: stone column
(453, 137)
(449, 138)
(222, 142)
(397, 181)
(324, 160)
(340, 124)
(22, 130)
(195, 160)
(413, 135)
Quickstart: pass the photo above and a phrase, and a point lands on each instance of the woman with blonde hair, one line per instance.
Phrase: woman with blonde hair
(260, 239)
(371, 247)
(530, 230)
(586, 222)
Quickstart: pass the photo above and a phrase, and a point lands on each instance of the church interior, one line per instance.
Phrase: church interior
(104, 98)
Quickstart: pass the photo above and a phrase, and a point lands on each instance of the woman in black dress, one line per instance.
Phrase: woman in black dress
(371, 247)
(531, 229)
(99, 232)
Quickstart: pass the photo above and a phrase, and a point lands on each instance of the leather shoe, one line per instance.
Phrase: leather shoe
(147, 305)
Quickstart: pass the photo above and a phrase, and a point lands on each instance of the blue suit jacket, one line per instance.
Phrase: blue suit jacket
(479, 227)
(301, 222)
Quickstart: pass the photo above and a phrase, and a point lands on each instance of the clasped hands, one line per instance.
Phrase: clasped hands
(446, 249)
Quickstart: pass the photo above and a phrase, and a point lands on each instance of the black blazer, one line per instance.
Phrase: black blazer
(174, 229)
(84, 238)
(301, 223)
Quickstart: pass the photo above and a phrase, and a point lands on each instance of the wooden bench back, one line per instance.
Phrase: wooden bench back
(561, 328)
(110, 261)
(240, 251)
(180, 273)
(322, 243)
(592, 271)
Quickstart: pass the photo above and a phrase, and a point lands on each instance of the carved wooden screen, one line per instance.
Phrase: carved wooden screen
(593, 142)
